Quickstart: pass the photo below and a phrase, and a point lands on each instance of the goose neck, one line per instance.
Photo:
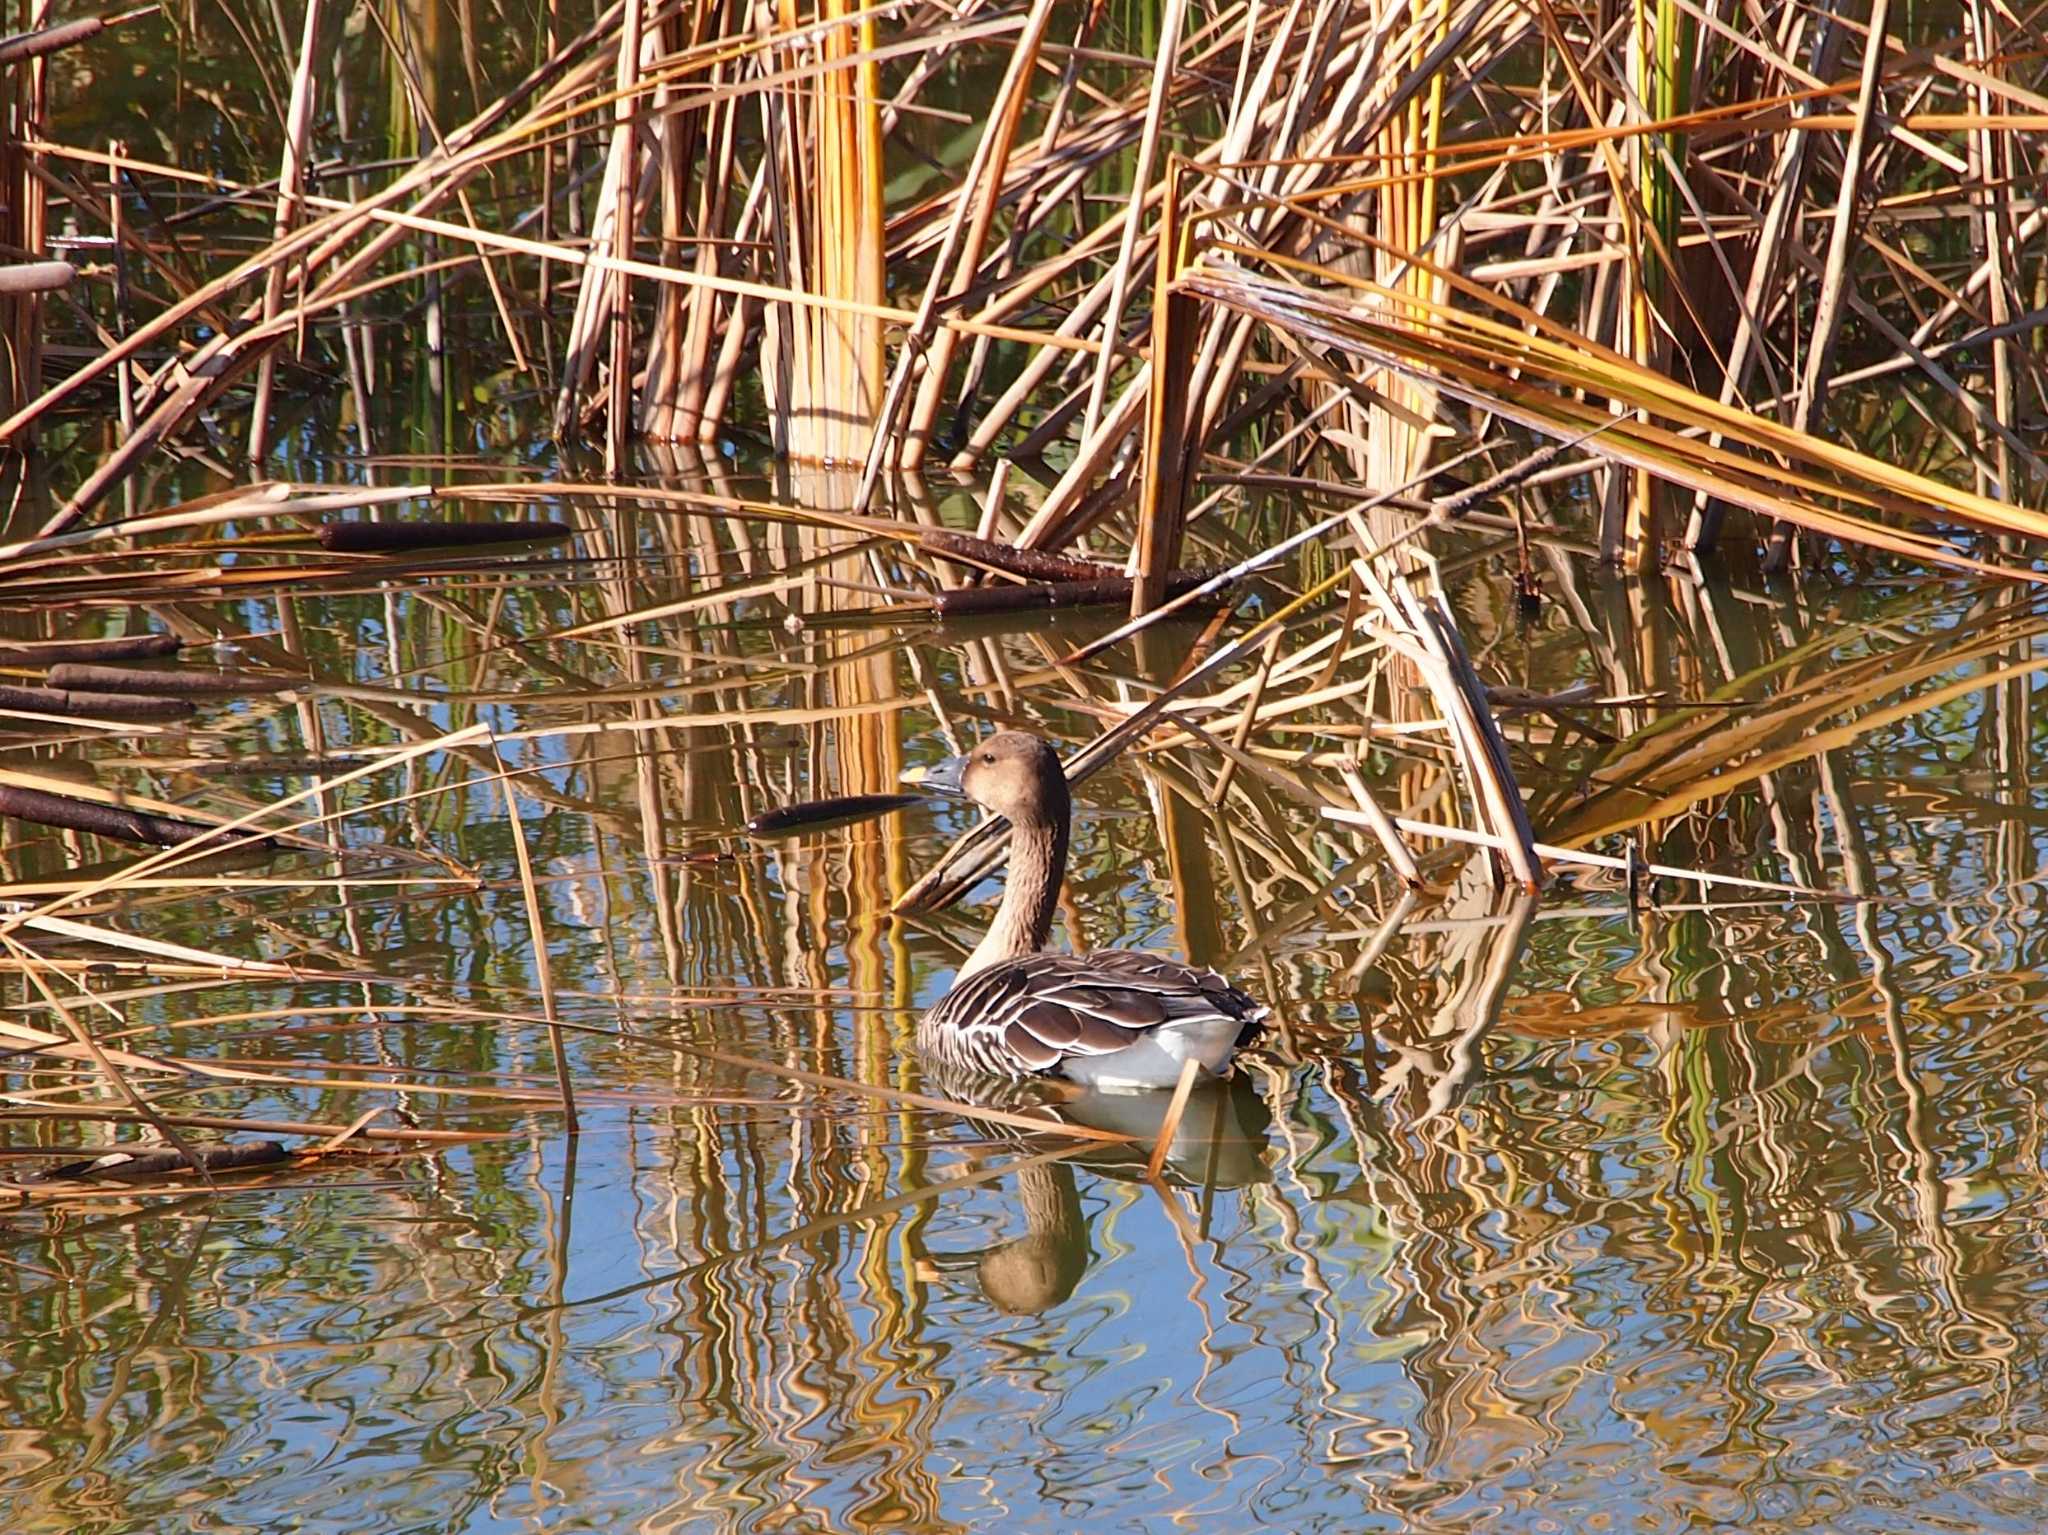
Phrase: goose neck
(1038, 863)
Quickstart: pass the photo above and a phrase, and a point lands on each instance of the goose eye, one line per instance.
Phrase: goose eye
(988, 757)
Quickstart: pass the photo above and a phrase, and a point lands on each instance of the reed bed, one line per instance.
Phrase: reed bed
(1725, 225)
(1314, 302)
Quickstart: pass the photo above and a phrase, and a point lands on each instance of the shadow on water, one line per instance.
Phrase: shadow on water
(1526, 1215)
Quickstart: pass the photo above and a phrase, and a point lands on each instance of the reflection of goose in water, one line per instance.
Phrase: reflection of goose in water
(1220, 1142)
(1035, 1272)
(1114, 1018)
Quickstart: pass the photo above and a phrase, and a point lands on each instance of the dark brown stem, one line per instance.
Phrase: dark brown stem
(966, 601)
(150, 1164)
(113, 821)
(98, 706)
(136, 679)
(403, 537)
(1030, 564)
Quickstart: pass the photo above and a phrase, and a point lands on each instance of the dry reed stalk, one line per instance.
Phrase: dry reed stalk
(1842, 234)
(84, 932)
(1260, 680)
(985, 178)
(1830, 489)
(1335, 55)
(1172, 22)
(1052, 526)
(297, 131)
(1003, 411)
(1382, 825)
(598, 301)
(616, 293)
(855, 166)
(822, 367)
(466, 145)
(1162, 502)
(1309, 113)
(313, 246)
(24, 206)
(1422, 631)
(959, 244)
(1995, 163)
(1650, 289)
(1396, 425)
(692, 149)
(1745, 350)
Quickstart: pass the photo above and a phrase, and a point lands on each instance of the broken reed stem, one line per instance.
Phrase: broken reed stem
(1382, 824)
(1575, 856)
(1169, 1125)
(36, 277)
(1424, 633)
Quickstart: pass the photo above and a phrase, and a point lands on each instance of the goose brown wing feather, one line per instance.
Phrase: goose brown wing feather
(1127, 1007)
(1072, 1030)
(1174, 982)
(1029, 1049)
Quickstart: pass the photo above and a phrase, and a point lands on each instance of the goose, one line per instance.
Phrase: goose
(1116, 1018)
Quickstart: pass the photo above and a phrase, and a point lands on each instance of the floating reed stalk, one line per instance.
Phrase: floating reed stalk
(95, 705)
(115, 821)
(82, 677)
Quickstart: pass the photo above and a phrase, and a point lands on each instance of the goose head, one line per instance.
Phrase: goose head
(1016, 775)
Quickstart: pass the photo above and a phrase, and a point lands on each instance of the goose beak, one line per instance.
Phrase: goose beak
(940, 778)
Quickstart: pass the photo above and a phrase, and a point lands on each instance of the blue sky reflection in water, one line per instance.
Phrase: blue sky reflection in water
(1543, 1219)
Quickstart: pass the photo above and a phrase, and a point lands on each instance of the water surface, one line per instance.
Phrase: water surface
(1528, 1216)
